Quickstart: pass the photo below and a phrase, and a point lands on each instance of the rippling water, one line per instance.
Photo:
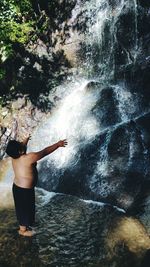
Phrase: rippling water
(73, 232)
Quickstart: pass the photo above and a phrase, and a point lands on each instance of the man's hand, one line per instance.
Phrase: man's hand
(63, 143)
(29, 137)
(26, 139)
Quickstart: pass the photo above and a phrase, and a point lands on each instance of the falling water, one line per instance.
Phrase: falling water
(136, 28)
(101, 35)
(73, 121)
(98, 182)
(72, 117)
(127, 110)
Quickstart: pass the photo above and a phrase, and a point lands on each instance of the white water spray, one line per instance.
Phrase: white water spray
(71, 120)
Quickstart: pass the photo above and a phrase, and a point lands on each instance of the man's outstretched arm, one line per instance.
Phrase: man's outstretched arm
(35, 156)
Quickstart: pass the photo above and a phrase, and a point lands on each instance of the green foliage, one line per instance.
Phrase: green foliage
(10, 9)
(25, 20)
(7, 10)
(23, 7)
(2, 73)
(18, 32)
(6, 51)
(15, 26)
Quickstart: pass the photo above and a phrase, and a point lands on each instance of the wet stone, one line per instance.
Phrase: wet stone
(71, 232)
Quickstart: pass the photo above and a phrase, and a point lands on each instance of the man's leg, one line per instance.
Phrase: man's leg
(24, 199)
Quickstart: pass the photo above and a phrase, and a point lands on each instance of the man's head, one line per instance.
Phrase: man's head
(15, 149)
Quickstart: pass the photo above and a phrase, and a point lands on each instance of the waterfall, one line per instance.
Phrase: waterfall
(98, 182)
(72, 121)
(136, 27)
(128, 104)
(102, 35)
(93, 111)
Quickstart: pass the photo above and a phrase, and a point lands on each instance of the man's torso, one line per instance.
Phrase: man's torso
(25, 172)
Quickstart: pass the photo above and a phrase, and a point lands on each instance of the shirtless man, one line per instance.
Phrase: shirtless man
(26, 175)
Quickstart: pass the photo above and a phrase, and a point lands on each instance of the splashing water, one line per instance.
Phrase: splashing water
(73, 121)
(125, 102)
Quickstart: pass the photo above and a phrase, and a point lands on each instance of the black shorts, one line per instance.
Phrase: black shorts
(24, 199)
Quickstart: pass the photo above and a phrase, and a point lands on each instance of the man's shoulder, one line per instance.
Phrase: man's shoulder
(27, 156)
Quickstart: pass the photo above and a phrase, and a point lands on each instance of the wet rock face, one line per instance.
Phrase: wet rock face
(113, 168)
(145, 128)
(106, 108)
(136, 71)
(124, 169)
(70, 232)
(144, 3)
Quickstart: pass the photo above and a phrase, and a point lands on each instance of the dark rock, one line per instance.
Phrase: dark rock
(146, 260)
(119, 145)
(137, 79)
(144, 3)
(144, 125)
(126, 33)
(93, 85)
(106, 108)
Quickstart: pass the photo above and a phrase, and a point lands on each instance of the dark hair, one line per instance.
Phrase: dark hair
(14, 149)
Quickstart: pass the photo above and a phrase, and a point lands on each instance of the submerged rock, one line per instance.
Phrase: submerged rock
(73, 233)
